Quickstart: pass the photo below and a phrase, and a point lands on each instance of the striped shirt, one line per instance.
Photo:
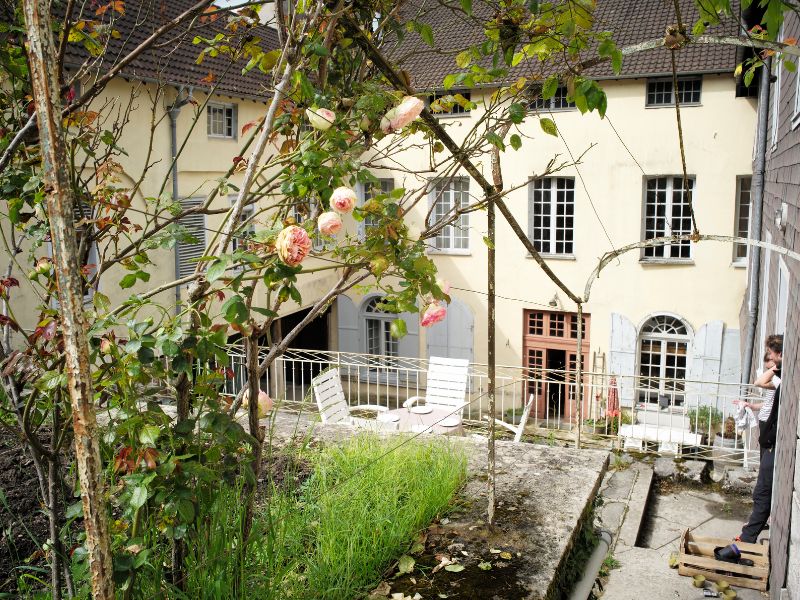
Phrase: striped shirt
(769, 396)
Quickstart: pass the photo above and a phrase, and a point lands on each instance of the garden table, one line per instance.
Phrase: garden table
(428, 418)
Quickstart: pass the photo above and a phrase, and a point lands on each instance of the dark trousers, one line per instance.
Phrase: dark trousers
(762, 497)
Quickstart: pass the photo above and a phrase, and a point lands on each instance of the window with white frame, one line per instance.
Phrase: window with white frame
(742, 217)
(193, 244)
(378, 335)
(557, 102)
(370, 190)
(663, 353)
(666, 213)
(447, 103)
(551, 214)
(447, 197)
(796, 112)
(221, 120)
(660, 92)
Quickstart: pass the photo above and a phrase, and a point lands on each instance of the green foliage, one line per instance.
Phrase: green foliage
(704, 420)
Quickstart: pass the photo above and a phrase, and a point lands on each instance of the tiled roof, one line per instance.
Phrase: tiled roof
(173, 59)
(631, 21)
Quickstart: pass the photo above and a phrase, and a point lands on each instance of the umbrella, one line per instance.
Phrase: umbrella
(612, 405)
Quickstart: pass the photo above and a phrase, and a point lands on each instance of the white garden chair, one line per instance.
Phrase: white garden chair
(446, 385)
(333, 406)
(518, 430)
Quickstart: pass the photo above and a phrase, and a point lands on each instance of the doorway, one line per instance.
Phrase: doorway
(556, 363)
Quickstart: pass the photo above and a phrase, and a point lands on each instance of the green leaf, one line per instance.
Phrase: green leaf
(264, 311)
(616, 62)
(405, 564)
(748, 76)
(128, 281)
(138, 497)
(398, 329)
(485, 566)
(790, 65)
(516, 112)
(463, 59)
(495, 140)
(488, 242)
(101, 302)
(550, 87)
(449, 81)
(548, 126)
(466, 6)
(186, 510)
(74, 511)
(149, 435)
(216, 269)
(235, 310)
(454, 568)
(515, 141)
(426, 33)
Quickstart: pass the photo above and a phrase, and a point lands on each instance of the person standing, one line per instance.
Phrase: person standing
(762, 493)
(768, 379)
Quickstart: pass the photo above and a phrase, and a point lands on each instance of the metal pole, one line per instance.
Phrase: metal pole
(579, 376)
(491, 359)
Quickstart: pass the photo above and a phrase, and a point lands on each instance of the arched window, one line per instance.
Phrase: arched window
(663, 353)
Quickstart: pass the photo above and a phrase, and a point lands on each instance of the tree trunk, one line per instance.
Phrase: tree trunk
(42, 57)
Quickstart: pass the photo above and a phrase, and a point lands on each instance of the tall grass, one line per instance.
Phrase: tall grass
(356, 514)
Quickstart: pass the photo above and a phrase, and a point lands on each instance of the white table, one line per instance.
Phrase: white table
(427, 422)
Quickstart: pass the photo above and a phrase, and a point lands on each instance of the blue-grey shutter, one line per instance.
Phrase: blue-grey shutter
(195, 225)
(347, 319)
(622, 356)
(453, 337)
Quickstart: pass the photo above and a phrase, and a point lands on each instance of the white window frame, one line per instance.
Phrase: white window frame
(558, 102)
(677, 392)
(796, 111)
(553, 188)
(381, 366)
(650, 254)
(452, 239)
(738, 230)
(229, 129)
(364, 192)
(668, 81)
(776, 101)
(782, 302)
(762, 313)
(184, 250)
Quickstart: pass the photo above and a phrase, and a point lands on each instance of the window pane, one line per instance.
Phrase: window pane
(447, 197)
(742, 216)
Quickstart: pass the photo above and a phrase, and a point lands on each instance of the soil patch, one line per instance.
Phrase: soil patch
(24, 525)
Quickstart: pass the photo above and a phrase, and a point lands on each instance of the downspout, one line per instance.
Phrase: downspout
(173, 111)
(582, 589)
(757, 208)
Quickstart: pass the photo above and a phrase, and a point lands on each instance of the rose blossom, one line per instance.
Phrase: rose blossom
(329, 223)
(402, 114)
(320, 118)
(264, 402)
(434, 312)
(343, 200)
(293, 244)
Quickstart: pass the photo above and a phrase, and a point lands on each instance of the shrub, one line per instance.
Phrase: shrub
(704, 420)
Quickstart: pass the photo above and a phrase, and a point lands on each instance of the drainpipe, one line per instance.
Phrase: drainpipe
(173, 111)
(584, 586)
(756, 217)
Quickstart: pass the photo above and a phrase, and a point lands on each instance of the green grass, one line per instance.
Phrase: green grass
(356, 514)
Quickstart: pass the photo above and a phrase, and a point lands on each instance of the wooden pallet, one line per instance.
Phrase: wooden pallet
(696, 557)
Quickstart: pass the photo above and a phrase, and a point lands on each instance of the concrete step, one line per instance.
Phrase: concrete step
(625, 492)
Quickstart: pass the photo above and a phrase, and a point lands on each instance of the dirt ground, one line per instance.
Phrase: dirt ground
(21, 518)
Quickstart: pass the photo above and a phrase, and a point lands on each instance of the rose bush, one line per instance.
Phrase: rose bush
(293, 245)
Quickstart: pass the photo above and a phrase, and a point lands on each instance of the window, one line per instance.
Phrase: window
(776, 99)
(551, 214)
(660, 91)
(221, 119)
(557, 102)
(742, 217)
(451, 103)
(666, 213)
(782, 306)
(89, 257)
(193, 244)
(663, 350)
(369, 191)
(245, 230)
(796, 112)
(379, 340)
(449, 196)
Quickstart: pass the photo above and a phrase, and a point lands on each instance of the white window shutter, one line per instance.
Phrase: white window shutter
(705, 357)
(622, 356)
(408, 346)
(453, 337)
(195, 225)
(347, 321)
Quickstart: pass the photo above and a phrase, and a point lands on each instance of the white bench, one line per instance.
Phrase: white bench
(669, 439)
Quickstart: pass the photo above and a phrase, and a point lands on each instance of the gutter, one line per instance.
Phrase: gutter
(756, 220)
(583, 588)
(173, 112)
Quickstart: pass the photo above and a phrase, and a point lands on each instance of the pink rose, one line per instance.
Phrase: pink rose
(329, 223)
(402, 114)
(434, 312)
(343, 200)
(264, 402)
(320, 118)
(293, 245)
